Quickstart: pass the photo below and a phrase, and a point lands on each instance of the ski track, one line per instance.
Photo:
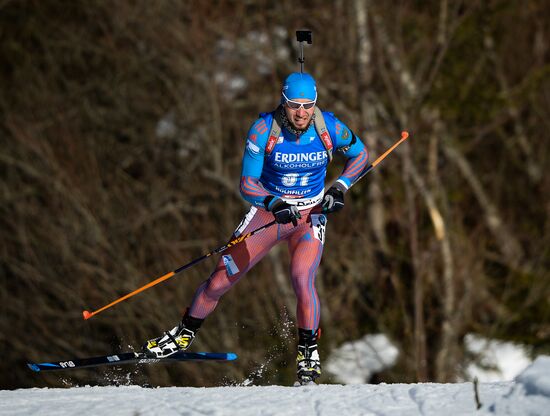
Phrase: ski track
(413, 396)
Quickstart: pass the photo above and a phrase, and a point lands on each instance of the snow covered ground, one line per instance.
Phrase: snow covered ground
(529, 394)
(355, 362)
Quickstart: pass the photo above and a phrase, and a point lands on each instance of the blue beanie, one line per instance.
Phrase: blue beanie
(299, 85)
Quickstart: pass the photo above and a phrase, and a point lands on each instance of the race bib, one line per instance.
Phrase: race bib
(230, 265)
(319, 223)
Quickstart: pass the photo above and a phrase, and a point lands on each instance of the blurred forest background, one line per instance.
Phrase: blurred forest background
(122, 131)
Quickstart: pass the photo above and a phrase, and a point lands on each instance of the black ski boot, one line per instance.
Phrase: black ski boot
(177, 339)
(308, 363)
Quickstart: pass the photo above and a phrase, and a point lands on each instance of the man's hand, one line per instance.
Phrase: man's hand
(283, 211)
(333, 200)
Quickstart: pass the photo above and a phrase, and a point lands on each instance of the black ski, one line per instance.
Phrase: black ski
(130, 358)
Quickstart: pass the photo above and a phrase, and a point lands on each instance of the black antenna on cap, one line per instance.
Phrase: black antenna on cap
(303, 36)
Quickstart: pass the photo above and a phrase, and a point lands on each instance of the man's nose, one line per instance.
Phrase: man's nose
(301, 111)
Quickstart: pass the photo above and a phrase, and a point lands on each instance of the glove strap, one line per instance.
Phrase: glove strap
(340, 186)
(268, 202)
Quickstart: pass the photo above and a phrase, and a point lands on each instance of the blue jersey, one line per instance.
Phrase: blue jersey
(295, 170)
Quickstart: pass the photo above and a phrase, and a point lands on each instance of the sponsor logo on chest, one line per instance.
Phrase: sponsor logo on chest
(312, 157)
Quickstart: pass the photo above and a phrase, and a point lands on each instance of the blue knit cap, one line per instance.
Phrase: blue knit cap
(299, 85)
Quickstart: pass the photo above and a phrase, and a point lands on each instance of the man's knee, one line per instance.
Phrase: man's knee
(302, 285)
(218, 284)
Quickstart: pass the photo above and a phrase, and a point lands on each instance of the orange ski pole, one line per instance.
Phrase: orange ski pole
(404, 136)
(88, 314)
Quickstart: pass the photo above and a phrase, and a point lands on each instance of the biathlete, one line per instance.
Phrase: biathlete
(283, 177)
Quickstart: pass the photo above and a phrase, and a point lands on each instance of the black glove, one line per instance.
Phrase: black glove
(333, 200)
(283, 211)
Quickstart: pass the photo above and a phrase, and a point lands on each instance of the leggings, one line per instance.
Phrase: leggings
(305, 244)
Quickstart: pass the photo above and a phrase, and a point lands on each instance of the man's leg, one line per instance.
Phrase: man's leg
(306, 249)
(233, 264)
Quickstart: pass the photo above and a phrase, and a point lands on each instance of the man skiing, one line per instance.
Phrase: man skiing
(283, 172)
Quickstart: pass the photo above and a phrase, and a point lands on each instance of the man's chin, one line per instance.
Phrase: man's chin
(301, 126)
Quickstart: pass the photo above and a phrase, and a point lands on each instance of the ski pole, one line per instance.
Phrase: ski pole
(404, 136)
(88, 314)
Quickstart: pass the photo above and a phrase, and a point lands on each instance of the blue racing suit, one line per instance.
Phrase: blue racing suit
(296, 168)
(294, 171)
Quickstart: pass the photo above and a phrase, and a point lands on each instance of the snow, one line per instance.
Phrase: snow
(536, 378)
(495, 360)
(357, 361)
(528, 394)
(398, 399)
(166, 127)
(231, 84)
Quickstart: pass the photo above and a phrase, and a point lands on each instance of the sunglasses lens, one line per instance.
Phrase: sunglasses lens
(293, 105)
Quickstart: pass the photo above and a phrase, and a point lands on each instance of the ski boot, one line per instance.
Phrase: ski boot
(308, 363)
(177, 339)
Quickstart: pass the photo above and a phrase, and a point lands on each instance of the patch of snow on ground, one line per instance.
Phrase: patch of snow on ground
(355, 362)
(536, 378)
(496, 360)
(529, 395)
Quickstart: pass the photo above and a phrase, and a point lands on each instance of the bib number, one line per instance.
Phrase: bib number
(319, 223)
(291, 179)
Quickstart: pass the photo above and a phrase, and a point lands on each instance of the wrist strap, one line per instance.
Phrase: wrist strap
(340, 186)
(268, 202)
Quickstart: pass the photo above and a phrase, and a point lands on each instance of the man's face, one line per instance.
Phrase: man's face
(298, 115)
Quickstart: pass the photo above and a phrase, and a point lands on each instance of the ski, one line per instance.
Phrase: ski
(130, 358)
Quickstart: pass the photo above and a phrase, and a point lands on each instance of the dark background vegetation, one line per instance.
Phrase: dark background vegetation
(122, 130)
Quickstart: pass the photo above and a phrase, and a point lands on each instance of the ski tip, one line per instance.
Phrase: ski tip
(231, 356)
(33, 367)
(404, 134)
(86, 314)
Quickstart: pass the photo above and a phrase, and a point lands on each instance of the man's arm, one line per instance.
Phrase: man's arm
(347, 143)
(354, 150)
(253, 161)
